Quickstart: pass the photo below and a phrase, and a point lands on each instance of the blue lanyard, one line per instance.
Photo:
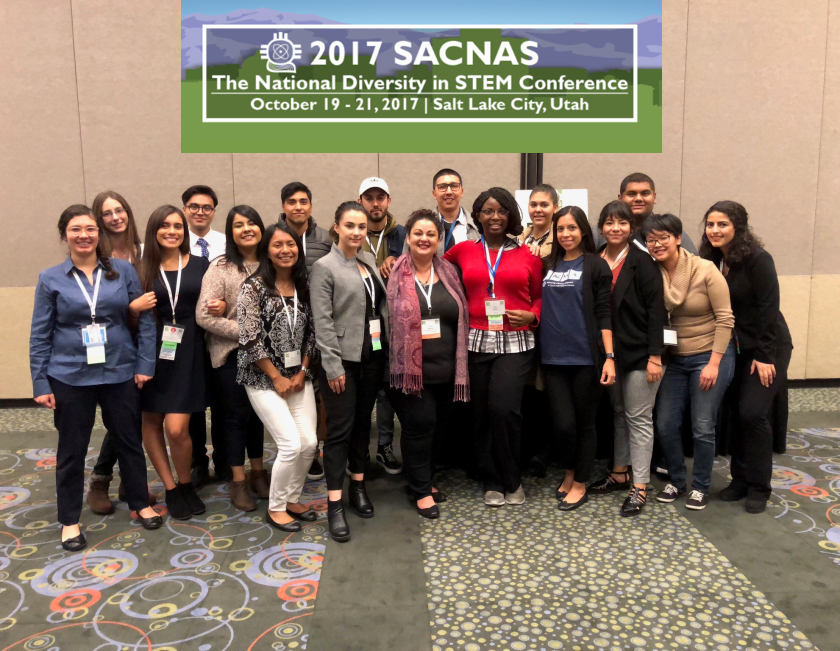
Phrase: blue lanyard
(492, 269)
(449, 236)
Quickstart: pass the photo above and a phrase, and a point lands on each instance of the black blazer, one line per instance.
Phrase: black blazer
(597, 283)
(638, 311)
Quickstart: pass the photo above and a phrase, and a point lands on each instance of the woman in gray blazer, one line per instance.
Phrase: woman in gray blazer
(350, 310)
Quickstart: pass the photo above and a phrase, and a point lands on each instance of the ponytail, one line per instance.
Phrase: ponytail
(110, 272)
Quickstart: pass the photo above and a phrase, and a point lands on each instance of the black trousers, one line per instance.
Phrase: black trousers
(348, 418)
(751, 444)
(573, 396)
(423, 419)
(198, 428)
(107, 456)
(242, 427)
(75, 411)
(536, 426)
(497, 382)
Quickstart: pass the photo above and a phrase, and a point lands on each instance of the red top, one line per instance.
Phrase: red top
(617, 271)
(518, 280)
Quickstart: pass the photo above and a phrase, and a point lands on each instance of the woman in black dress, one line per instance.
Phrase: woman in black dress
(177, 389)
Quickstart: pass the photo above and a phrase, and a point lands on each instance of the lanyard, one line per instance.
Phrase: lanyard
(371, 289)
(90, 301)
(303, 240)
(378, 244)
(494, 268)
(450, 234)
(427, 295)
(292, 324)
(618, 258)
(173, 301)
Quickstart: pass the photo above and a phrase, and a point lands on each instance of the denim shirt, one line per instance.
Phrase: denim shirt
(61, 311)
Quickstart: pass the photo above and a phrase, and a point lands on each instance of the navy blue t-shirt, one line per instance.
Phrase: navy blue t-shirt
(563, 338)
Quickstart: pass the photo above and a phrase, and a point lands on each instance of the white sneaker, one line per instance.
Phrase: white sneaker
(494, 498)
(515, 498)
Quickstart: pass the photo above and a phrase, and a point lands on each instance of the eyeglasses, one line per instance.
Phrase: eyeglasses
(662, 240)
(194, 208)
(489, 213)
(118, 212)
(443, 187)
(87, 230)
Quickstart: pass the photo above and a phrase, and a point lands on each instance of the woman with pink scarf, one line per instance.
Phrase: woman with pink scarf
(429, 330)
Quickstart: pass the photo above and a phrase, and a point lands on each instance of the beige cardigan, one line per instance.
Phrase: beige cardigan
(697, 300)
(222, 281)
(545, 249)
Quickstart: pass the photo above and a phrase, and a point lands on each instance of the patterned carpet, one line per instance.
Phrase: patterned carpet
(222, 580)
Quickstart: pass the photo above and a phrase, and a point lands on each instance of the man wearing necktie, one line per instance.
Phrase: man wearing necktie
(200, 208)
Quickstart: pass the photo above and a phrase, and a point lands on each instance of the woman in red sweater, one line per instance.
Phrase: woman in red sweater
(503, 283)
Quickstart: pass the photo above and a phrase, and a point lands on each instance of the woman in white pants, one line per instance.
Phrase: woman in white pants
(276, 343)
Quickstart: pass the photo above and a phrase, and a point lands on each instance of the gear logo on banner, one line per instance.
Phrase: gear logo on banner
(280, 53)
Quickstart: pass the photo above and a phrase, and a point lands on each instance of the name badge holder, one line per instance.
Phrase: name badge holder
(374, 324)
(669, 334)
(94, 336)
(172, 334)
(493, 308)
(291, 358)
(430, 324)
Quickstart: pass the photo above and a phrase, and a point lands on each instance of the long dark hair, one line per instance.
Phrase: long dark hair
(507, 202)
(79, 210)
(743, 245)
(587, 242)
(267, 274)
(150, 264)
(343, 208)
(132, 236)
(232, 252)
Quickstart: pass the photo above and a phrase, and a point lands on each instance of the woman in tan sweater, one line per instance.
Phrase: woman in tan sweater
(701, 358)
(220, 288)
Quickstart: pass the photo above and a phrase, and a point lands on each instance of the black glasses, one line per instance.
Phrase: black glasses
(443, 187)
(662, 239)
(489, 213)
(194, 208)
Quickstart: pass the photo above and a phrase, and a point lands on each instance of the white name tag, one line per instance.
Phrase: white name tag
(291, 359)
(94, 334)
(430, 327)
(493, 307)
(172, 333)
(96, 353)
(670, 337)
(375, 327)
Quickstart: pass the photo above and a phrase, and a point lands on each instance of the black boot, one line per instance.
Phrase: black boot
(339, 529)
(359, 500)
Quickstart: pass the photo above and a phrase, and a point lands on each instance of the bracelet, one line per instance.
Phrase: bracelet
(650, 361)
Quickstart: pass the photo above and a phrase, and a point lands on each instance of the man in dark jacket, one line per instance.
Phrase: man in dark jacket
(385, 238)
(297, 213)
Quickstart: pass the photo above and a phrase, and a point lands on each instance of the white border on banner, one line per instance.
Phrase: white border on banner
(280, 26)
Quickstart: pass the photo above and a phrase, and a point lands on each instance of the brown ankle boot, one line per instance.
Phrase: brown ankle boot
(260, 484)
(97, 497)
(240, 497)
(121, 494)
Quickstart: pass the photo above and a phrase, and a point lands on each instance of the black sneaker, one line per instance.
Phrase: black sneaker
(697, 500)
(192, 499)
(316, 470)
(177, 505)
(385, 458)
(669, 494)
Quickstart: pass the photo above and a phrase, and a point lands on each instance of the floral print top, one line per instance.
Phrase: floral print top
(265, 332)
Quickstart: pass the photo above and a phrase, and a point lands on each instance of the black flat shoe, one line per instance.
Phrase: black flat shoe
(560, 495)
(155, 522)
(306, 516)
(359, 500)
(192, 499)
(439, 497)
(339, 529)
(571, 506)
(431, 513)
(289, 527)
(177, 505)
(75, 544)
(611, 483)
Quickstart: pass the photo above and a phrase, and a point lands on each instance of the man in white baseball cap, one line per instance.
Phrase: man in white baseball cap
(385, 237)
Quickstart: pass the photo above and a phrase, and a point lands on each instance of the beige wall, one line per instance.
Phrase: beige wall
(751, 112)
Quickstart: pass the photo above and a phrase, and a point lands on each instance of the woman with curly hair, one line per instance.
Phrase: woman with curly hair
(763, 346)
(503, 283)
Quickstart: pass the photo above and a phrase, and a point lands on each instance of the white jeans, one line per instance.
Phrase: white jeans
(292, 423)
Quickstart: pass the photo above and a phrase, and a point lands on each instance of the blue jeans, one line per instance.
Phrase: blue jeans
(680, 383)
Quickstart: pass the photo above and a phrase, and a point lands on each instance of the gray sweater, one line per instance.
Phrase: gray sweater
(337, 294)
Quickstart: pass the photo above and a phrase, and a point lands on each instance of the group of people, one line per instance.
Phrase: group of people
(453, 317)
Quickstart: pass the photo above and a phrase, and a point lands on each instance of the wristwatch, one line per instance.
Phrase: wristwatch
(611, 356)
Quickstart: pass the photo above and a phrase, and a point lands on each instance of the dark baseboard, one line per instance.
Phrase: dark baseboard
(814, 384)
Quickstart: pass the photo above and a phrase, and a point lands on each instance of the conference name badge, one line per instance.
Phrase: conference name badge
(495, 311)
(167, 350)
(375, 334)
(291, 359)
(430, 327)
(670, 337)
(94, 338)
(172, 333)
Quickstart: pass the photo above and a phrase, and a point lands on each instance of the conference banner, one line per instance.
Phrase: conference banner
(265, 81)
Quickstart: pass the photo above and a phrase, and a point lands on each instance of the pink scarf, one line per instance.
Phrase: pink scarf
(405, 341)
